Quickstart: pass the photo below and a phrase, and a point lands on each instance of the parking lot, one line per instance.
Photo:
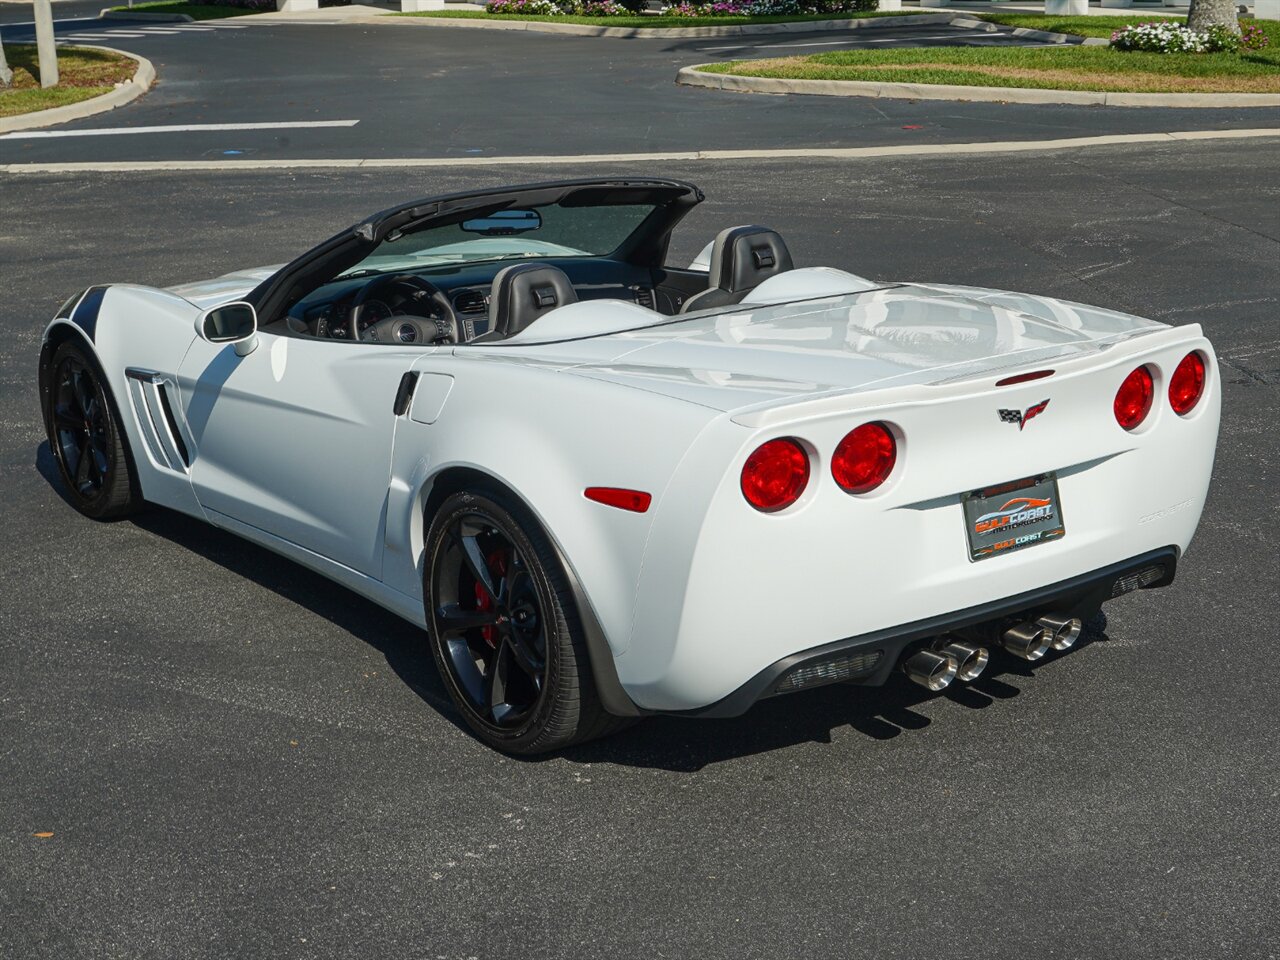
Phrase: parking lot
(236, 758)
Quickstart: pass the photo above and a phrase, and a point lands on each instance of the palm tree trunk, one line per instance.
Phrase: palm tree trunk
(1205, 13)
(6, 75)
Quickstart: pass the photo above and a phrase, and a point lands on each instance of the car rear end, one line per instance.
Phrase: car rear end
(1009, 496)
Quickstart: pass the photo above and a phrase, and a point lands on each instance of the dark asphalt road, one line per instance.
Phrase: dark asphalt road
(423, 91)
(237, 759)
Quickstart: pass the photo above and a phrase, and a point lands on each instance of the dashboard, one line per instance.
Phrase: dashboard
(326, 311)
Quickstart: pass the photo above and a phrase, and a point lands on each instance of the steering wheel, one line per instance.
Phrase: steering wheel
(406, 327)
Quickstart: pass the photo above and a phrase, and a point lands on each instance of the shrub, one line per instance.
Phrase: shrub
(1253, 38)
(594, 8)
(1164, 36)
(767, 8)
(541, 8)
(244, 4)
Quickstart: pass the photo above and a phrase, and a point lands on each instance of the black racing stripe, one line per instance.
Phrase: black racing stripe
(86, 313)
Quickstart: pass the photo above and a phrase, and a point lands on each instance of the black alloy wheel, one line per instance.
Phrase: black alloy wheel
(85, 438)
(504, 630)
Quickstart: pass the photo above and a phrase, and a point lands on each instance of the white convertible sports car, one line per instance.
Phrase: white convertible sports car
(608, 487)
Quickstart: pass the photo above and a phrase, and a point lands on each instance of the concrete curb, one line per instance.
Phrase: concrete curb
(128, 91)
(668, 33)
(108, 14)
(1025, 33)
(693, 77)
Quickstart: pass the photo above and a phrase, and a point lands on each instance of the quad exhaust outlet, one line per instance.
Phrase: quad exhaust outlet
(933, 671)
(954, 658)
(970, 660)
(1029, 641)
(1063, 631)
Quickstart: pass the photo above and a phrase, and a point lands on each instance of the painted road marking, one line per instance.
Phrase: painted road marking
(101, 36)
(832, 153)
(175, 128)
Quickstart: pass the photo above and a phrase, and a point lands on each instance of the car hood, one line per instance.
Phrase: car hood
(231, 286)
(904, 334)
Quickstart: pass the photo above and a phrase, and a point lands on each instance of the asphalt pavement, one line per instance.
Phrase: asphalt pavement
(237, 759)
(414, 90)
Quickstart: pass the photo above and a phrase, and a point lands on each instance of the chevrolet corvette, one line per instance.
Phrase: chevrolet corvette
(608, 486)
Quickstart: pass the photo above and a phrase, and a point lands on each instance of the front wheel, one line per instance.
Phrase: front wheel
(86, 437)
(504, 629)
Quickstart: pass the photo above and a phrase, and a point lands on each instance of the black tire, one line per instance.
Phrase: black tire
(83, 425)
(512, 656)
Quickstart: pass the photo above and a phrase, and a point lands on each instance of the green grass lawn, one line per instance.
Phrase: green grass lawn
(196, 11)
(1053, 68)
(652, 22)
(1079, 26)
(82, 74)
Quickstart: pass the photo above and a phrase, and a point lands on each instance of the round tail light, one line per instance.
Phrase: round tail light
(864, 458)
(1133, 399)
(775, 475)
(1186, 386)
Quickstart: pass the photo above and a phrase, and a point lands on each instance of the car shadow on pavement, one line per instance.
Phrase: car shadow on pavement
(878, 713)
(668, 743)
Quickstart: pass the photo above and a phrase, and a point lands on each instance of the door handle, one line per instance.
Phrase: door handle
(404, 393)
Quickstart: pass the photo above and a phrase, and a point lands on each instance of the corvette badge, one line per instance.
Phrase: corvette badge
(1020, 417)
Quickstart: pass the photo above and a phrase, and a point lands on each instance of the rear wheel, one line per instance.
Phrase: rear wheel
(85, 436)
(504, 628)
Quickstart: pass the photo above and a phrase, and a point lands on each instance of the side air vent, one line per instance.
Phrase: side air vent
(644, 297)
(172, 423)
(470, 301)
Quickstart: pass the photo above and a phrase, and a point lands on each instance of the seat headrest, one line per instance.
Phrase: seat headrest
(522, 293)
(742, 257)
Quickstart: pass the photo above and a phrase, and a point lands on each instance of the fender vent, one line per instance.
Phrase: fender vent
(644, 297)
(470, 301)
(172, 423)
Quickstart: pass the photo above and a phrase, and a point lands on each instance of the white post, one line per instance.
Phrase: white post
(291, 6)
(1067, 8)
(46, 52)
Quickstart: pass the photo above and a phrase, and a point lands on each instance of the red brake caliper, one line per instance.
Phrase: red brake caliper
(497, 563)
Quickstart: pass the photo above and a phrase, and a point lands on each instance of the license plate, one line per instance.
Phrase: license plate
(1012, 516)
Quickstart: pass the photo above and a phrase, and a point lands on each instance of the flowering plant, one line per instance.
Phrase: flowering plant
(245, 4)
(765, 8)
(599, 8)
(1252, 38)
(1165, 36)
(538, 8)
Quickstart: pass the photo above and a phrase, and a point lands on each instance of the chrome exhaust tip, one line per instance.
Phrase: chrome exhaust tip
(970, 660)
(933, 671)
(1063, 631)
(1029, 641)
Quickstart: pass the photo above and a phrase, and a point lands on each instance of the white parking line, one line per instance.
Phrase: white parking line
(176, 128)
(831, 153)
(102, 36)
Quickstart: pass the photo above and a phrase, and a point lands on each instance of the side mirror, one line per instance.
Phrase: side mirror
(234, 323)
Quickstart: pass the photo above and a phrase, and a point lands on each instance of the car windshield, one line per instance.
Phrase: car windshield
(546, 231)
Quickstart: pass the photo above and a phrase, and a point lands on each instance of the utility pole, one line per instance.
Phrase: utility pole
(46, 52)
